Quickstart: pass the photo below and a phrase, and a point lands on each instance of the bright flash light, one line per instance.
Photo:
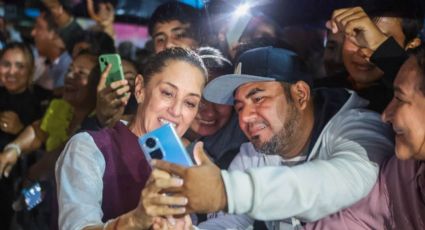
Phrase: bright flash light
(242, 9)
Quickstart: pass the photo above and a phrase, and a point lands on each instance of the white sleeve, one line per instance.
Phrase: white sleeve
(340, 176)
(79, 172)
(247, 158)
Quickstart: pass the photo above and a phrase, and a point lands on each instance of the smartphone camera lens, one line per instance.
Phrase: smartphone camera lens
(102, 59)
(157, 154)
(150, 142)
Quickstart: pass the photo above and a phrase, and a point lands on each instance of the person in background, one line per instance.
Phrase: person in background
(104, 18)
(96, 42)
(66, 24)
(397, 199)
(332, 55)
(260, 29)
(370, 64)
(113, 102)
(21, 104)
(216, 125)
(62, 118)
(175, 24)
(51, 46)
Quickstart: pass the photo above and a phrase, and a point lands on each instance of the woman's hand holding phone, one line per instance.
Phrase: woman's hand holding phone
(111, 99)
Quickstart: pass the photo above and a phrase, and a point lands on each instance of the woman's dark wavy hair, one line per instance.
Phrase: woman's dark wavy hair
(157, 62)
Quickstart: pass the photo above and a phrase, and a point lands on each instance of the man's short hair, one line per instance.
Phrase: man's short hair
(174, 10)
(66, 4)
(49, 18)
(99, 41)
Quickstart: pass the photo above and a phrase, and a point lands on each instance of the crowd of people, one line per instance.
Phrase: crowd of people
(283, 134)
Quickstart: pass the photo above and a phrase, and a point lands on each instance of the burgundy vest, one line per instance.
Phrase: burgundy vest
(126, 170)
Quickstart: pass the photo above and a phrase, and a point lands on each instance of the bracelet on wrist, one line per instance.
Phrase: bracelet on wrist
(14, 147)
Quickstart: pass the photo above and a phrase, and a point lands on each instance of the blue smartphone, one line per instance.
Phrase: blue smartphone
(164, 144)
(32, 195)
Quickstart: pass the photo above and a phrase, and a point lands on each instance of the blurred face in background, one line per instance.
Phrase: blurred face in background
(173, 34)
(78, 47)
(43, 36)
(211, 117)
(332, 55)
(15, 71)
(130, 73)
(76, 89)
(360, 70)
(257, 28)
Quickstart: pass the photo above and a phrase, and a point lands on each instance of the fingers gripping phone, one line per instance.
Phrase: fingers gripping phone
(116, 73)
(164, 144)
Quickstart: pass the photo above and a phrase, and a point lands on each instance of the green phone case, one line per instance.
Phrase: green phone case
(116, 72)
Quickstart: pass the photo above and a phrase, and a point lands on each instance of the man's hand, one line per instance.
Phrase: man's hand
(153, 203)
(111, 100)
(8, 159)
(202, 184)
(357, 26)
(183, 223)
(10, 122)
(104, 17)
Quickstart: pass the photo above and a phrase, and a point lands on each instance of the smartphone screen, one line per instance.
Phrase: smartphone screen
(116, 73)
(164, 144)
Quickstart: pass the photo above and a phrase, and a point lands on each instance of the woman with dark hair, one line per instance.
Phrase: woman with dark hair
(20, 105)
(21, 101)
(100, 175)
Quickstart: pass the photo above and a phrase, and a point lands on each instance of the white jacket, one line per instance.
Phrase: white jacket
(340, 170)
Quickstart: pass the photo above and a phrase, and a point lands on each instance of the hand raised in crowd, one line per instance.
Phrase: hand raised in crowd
(10, 122)
(202, 184)
(8, 159)
(358, 27)
(104, 17)
(111, 100)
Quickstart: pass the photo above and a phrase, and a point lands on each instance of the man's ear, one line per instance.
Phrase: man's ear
(139, 89)
(301, 94)
(413, 44)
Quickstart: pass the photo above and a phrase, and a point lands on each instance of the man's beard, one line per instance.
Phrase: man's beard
(279, 142)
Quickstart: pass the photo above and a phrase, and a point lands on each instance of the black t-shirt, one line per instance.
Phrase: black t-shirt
(29, 105)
